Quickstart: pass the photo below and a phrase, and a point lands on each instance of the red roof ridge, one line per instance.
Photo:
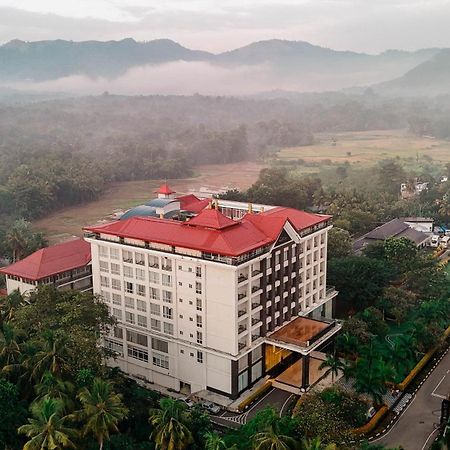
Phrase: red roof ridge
(211, 218)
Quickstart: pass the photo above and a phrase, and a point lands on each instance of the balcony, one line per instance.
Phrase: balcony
(242, 312)
(255, 320)
(242, 295)
(241, 345)
(242, 278)
(241, 329)
(168, 268)
(255, 273)
(255, 305)
(255, 336)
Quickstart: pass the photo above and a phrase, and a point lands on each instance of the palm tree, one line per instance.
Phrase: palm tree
(316, 444)
(102, 410)
(214, 442)
(9, 306)
(53, 387)
(47, 428)
(10, 351)
(334, 364)
(271, 439)
(53, 357)
(170, 425)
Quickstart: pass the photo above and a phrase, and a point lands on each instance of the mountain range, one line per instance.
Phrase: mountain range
(294, 65)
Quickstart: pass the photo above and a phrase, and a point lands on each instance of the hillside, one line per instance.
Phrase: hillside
(431, 77)
(272, 64)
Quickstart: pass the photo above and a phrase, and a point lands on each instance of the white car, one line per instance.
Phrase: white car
(210, 407)
(187, 401)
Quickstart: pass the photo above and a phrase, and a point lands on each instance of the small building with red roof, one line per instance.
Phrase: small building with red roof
(65, 266)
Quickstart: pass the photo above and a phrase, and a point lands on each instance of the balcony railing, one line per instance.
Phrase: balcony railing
(255, 288)
(242, 312)
(241, 296)
(255, 320)
(241, 329)
(256, 272)
(242, 278)
(255, 305)
(241, 345)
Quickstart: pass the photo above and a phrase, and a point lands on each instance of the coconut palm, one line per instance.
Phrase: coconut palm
(47, 428)
(316, 444)
(170, 425)
(53, 356)
(102, 410)
(54, 387)
(10, 351)
(214, 442)
(271, 439)
(334, 364)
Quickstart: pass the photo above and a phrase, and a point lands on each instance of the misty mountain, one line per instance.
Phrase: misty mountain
(270, 65)
(49, 60)
(431, 77)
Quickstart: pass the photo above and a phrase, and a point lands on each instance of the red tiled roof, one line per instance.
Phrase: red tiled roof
(249, 233)
(165, 189)
(192, 203)
(211, 218)
(51, 260)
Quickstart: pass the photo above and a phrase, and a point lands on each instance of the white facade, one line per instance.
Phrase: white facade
(186, 322)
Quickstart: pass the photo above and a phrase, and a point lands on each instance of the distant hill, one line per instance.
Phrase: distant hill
(431, 77)
(288, 65)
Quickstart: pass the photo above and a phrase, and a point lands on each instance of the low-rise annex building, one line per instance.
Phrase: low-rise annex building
(202, 304)
(65, 266)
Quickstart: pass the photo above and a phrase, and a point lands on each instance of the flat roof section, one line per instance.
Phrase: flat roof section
(302, 332)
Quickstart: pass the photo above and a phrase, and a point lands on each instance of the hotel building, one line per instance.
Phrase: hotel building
(214, 296)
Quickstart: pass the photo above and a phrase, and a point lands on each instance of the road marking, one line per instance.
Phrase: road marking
(260, 400)
(437, 387)
(284, 404)
(428, 438)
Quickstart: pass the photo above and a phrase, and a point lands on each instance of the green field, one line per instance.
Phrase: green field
(366, 148)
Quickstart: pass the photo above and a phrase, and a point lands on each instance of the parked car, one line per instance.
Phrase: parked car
(187, 401)
(212, 408)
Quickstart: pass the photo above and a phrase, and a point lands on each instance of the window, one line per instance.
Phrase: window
(199, 321)
(127, 271)
(117, 299)
(168, 328)
(257, 353)
(114, 253)
(257, 371)
(104, 281)
(199, 304)
(142, 321)
(140, 274)
(198, 271)
(115, 347)
(153, 261)
(118, 332)
(103, 251)
(129, 302)
(105, 295)
(160, 361)
(117, 313)
(139, 258)
(127, 256)
(137, 338)
(115, 284)
(115, 269)
(198, 287)
(137, 353)
(200, 357)
(153, 277)
(182, 351)
(160, 345)
(141, 305)
(199, 337)
(242, 381)
(155, 309)
(104, 266)
(154, 293)
(129, 287)
(166, 280)
(129, 317)
(167, 264)
(155, 324)
(167, 312)
(167, 296)
(140, 290)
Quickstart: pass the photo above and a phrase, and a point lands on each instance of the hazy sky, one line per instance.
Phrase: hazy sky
(216, 25)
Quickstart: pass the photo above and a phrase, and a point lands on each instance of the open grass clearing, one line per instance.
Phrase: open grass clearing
(368, 147)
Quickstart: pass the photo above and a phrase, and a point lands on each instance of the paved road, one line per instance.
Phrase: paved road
(274, 397)
(416, 428)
